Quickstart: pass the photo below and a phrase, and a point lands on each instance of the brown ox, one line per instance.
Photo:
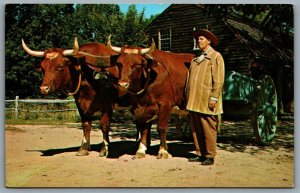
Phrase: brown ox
(155, 81)
(69, 71)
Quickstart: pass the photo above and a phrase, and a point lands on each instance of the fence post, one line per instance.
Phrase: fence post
(16, 106)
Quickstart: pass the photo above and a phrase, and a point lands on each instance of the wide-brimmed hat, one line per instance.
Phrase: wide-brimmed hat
(207, 34)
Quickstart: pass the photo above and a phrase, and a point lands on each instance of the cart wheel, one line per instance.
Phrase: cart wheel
(264, 115)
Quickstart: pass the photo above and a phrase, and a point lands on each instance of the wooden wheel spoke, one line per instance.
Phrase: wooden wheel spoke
(270, 131)
(261, 123)
(182, 125)
(265, 112)
(267, 131)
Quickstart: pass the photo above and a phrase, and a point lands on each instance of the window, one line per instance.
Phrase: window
(164, 40)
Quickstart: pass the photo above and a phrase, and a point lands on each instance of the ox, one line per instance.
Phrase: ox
(69, 71)
(155, 81)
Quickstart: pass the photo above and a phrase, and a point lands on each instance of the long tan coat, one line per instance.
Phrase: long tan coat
(206, 80)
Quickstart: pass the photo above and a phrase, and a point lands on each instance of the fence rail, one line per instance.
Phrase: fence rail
(16, 107)
(41, 100)
(21, 106)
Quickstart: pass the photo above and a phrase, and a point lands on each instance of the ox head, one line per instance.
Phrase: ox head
(55, 67)
(134, 65)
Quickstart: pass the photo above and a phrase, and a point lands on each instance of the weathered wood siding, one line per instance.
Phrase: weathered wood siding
(244, 47)
(183, 18)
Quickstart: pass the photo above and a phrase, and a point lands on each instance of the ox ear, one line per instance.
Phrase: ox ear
(76, 61)
(150, 69)
(113, 60)
(152, 62)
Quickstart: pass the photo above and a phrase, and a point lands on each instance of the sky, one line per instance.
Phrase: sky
(150, 9)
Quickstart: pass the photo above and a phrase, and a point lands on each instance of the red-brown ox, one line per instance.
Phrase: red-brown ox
(155, 81)
(69, 70)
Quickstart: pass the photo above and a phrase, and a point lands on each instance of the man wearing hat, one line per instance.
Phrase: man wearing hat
(204, 95)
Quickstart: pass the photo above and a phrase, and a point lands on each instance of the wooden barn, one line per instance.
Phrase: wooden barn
(245, 47)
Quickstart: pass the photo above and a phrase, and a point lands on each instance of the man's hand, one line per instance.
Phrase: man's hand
(212, 104)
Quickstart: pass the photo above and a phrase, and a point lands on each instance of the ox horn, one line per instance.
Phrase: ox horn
(116, 49)
(72, 51)
(31, 52)
(149, 50)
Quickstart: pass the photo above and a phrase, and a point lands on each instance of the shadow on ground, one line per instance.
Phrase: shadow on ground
(235, 136)
(120, 148)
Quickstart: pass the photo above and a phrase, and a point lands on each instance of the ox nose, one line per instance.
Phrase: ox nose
(123, 85)
(45, 89)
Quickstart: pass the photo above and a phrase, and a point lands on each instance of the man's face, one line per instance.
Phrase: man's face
(203, 42)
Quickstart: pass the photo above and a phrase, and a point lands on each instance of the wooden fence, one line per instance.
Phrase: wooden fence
(24, 106)
(14, 105)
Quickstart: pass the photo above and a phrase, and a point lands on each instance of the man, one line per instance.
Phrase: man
(204, 96)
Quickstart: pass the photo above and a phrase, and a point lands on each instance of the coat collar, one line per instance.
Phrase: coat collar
(204, 55)
(209, 52)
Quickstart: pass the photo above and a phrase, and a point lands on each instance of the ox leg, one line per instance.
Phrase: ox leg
(141, 152)
(105, 126)
(149, 135)
(162, 125)
(85, 145)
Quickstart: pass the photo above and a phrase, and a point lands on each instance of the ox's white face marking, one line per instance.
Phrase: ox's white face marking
(131, 51)
(52, 55)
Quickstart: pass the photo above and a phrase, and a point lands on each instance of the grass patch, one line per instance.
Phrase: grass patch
(12, 128)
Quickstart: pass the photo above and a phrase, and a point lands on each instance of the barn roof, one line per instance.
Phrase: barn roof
(260, 44)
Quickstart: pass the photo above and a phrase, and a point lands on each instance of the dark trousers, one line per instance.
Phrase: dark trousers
(204, 129)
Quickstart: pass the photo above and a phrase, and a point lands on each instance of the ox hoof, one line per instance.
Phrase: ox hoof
(103, 153)
(140, 155)
(163, 154)
(82, 152)
(103, 149)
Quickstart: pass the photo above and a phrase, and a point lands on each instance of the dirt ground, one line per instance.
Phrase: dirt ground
(44, 156)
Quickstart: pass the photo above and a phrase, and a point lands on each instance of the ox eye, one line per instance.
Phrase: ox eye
(60, 69)
(137, 66)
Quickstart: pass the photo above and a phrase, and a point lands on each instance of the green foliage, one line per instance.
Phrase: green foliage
(41, 26)
(270, 17)
(133, 23)
(95, 22)
(44, 26)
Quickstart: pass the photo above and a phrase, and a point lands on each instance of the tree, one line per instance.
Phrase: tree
(42, 27)
(45, 26)
(95, 22)
(134, 23)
